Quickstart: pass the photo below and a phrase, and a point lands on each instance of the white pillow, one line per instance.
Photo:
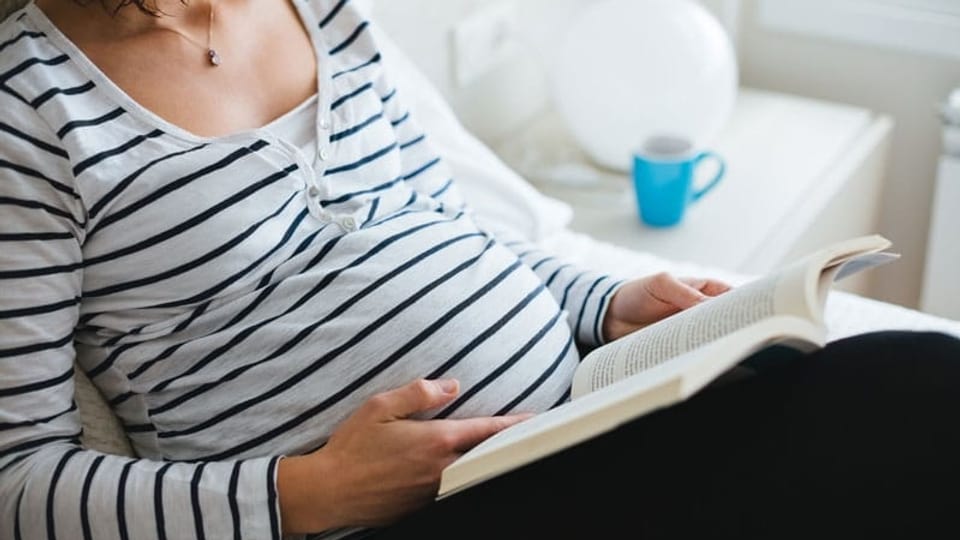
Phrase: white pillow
(497, 193)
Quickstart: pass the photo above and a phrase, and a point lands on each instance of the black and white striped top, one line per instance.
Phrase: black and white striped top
(234, 299)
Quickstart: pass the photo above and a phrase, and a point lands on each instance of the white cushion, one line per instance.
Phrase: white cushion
(101, 428)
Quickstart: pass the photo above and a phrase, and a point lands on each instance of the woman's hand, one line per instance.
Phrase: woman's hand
(380, 463)
(647, 300)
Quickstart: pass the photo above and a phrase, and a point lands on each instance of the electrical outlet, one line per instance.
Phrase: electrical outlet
(484, 40)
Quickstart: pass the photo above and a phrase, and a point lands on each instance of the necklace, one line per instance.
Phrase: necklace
(212, 55)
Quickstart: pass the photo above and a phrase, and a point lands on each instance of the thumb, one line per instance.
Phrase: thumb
(685, 293)
(411, 398)
(696, 283)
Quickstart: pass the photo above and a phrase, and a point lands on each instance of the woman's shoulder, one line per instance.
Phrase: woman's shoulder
(339, 19)
(34, 70)
(19, 52)
(16, 33)
(29, 76)
(334, 11)
(347, 29)
(26, 55)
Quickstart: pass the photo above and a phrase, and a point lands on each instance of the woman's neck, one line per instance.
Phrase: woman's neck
(112, 19)
(175, 77)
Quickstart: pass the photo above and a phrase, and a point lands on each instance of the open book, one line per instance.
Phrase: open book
(672, 359)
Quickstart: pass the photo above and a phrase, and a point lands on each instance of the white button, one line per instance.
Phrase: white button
(324, 123)
(313, 191)
(348, 223)
(324, 154)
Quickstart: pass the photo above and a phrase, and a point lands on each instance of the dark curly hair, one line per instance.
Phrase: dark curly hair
(147, 6)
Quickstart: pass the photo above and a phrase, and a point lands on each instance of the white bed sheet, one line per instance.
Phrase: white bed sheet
(846, 314)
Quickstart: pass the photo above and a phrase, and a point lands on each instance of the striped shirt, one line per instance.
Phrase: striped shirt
(236, 297)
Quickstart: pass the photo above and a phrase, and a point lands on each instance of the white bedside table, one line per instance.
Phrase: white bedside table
(800, 173)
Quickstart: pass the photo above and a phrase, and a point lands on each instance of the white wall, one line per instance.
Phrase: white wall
(509, 96)
(908, 86)
(495, 104)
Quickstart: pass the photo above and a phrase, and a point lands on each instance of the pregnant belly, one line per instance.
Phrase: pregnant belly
(424, 296)
(447, 301)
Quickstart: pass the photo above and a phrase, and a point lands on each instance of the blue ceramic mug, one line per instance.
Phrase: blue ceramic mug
(664, 174)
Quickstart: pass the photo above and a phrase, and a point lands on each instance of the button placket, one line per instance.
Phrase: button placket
(314, 197)
(313, 193)
(324, 124)
(348, 223)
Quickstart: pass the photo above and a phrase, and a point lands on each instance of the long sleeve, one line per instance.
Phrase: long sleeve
(51, 487)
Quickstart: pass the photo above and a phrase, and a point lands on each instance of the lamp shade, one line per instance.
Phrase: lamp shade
(626, 70)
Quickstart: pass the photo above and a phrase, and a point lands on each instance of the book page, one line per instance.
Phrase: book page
(681, 333)
(864, 262)
(798, 289)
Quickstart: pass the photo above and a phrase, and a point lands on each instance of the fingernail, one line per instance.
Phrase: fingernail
(447, 386)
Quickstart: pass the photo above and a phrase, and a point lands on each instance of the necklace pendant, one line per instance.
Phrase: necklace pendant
(214, 57)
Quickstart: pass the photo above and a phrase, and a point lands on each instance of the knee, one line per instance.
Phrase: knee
(898, 363)
(911, 340)
(920, 347)
(929, 344)
(940, 341)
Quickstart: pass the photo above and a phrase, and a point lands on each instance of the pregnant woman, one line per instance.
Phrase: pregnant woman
(223, 212)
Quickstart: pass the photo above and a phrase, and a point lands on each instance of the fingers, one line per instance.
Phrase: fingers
(709, 287)
(457, 436)
(647, 300)
(467, 433)
(417, 396)
(715, 288)
(670, 290)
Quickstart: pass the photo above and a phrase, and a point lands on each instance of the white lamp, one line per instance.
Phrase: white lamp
(628, 69)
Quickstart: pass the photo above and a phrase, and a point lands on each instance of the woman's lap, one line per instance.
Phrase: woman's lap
(857, 440)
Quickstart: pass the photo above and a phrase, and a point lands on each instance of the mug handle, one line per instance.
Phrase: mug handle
(716, 178)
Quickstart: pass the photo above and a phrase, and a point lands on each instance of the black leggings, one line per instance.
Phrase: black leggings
(858, 440)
